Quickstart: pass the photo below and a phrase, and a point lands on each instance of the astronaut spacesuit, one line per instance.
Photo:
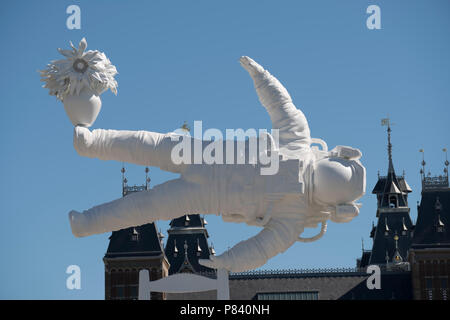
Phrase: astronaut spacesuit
(310, 187)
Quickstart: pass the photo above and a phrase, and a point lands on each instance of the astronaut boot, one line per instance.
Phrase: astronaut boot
(77, 223)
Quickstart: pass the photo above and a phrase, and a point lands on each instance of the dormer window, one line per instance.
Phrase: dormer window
(134, 235)
(437, 205)
(393, 202)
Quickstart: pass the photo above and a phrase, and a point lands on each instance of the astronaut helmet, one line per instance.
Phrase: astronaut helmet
(338, 181)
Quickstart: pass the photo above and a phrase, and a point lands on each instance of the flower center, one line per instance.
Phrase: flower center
(80, 65)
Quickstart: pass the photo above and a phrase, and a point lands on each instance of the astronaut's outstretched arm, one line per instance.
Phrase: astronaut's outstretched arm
(138, 147)
(290, 121)
(276, 237)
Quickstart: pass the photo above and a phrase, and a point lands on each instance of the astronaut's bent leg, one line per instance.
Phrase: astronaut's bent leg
(166, 201)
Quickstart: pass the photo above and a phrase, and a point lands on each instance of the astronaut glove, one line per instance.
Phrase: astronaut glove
(345, 213)
(346, 153)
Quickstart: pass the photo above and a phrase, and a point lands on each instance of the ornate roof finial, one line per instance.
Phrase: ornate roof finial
(397, 258)
(446, 163)
(423, 163)
(199, 250)
(147, 179)
(213, 252)
(185, 127)
(440, 223)
(186, 266)
(404, 225)
(124, 180)
(175, 249)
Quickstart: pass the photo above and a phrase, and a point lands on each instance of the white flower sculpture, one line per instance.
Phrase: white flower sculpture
(90, 69)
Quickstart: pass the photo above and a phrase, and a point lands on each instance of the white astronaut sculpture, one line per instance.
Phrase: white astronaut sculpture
(310, 187)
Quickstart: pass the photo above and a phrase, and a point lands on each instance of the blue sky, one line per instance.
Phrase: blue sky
(178, 61)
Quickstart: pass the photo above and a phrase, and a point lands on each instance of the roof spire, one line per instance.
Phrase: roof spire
(386, 122)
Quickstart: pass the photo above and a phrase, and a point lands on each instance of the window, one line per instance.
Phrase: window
(302, 295)
(429, 282)
(444, 283)
(134, 294)
(119, 292)
(444, 287)
(429, 288)
(135, 235)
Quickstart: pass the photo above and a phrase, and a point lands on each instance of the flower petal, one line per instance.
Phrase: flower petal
(82, 46)
(73, 47)
(66, 53)
(96, 76)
